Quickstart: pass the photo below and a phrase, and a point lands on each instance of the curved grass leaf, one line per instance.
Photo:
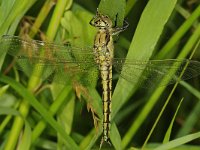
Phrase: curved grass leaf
(193, 117)
(63, 97)
(33, 80)
(114, 9)
(179, 34)
(194, 39)
(147, 34)
(178, 142)
(25, 142)
(169, 130)
(13, 12)
(148, 31)
(41, 110)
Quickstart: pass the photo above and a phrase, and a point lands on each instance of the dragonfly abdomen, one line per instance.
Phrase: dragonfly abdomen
(106, 76)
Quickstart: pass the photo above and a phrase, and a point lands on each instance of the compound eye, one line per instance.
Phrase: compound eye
(107, 23)
(97, 22)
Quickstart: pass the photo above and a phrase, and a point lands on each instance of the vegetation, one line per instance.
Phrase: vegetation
(36, 114)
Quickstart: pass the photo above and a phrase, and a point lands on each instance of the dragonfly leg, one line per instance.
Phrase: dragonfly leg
(104, 140)
(117, 30)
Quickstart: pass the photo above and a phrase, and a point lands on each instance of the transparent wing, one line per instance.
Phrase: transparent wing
(152, 72)
(53, 59)
(66, 60)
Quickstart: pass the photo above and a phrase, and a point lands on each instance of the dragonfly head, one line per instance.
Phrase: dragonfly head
(101, 21)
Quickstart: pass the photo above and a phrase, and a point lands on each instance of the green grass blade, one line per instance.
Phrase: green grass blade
(55, 19)
(190, 121)
(178, 142)
(13, 13)
(179, 33)
(42, 111)
(41, 17)
(155, 96)
(115, 137)
(159, 115)
(7, 119)
(193, 118)
(113, 8)
(169, 130)
(65, 118)
(146, 36)
(88, 142)
(32, 83)
(129, 5)
(25, 142)
(191, 89)
(63, 97)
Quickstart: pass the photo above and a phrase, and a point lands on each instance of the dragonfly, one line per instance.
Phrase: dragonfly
(58, 61)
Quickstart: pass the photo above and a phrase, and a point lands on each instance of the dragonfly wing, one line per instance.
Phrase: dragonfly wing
(55, 61)
(16, 46)
(152, 72)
